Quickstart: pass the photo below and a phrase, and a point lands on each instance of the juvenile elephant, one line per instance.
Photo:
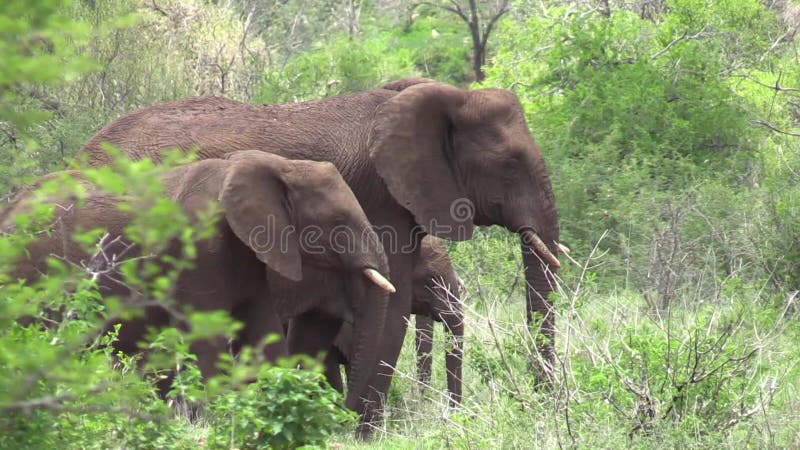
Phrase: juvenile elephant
(437, 296)
(436, 288)
(268, 208)
(420, 156)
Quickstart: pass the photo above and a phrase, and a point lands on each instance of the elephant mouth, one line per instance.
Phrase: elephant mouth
(379, 280)
(533, 240)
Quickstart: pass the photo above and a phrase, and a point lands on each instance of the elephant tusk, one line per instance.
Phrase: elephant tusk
(379, 280)
(537, 243)
(562, 248)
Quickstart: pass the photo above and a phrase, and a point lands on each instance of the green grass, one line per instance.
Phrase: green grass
(699, 375)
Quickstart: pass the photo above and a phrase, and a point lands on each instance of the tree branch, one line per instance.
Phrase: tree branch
(776, 86)
(774, 128)
(48, 402)
(158, 9)
(457, 10)
(502, 11)
(684, 37)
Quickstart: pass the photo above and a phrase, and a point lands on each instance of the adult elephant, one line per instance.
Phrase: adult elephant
(436, 297)
(267, 205)
(420, 156)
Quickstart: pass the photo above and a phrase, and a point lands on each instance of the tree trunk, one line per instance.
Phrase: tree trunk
(478, 46)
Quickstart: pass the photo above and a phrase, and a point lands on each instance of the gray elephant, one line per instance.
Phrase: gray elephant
(268, 205)
(422, 157)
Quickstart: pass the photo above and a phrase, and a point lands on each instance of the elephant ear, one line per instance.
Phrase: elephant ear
(254, 198)
(408, 145)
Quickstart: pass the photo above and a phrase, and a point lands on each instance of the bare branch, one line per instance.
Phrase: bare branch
(457, 10)
(488, 30)
(777, 87)
(774, 128)
(48, 402)
(457, 7)
(684, 37)
(158, 9)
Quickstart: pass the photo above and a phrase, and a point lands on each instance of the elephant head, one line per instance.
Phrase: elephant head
(436, 296)
(294, 213)
(456, 158)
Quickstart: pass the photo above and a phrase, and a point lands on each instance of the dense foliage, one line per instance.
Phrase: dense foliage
(671, 130)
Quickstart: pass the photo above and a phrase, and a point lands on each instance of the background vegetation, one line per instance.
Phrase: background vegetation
(671, 132)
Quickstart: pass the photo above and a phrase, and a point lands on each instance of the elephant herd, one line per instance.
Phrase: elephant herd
(374, 178)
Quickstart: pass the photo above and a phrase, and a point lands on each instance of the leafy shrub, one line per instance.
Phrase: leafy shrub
(344, 64)
(437, 48)
(37, 47)
(59, 387)
(61, 383)
(780, 179)
(646, 126)
(334, 68)
(701, 371)
(283, 408)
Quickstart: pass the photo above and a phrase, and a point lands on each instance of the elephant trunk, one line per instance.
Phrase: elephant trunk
(540, 282)
(454, 326)
(369, 304)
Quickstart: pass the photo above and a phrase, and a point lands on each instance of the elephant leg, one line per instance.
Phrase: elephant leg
(424, 341)
(208, 351)
(133, 332)
(333, 372)
(312, 333)
(260, 320)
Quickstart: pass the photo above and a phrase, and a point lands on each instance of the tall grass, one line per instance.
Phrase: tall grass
(712, 368)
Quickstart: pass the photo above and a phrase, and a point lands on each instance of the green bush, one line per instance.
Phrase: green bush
(344, 64)
(61, 383)
(646, 126)
(437, 48)
(334, 68)
(781, 197)
(37, 47)
(283, 408)
(702, 371)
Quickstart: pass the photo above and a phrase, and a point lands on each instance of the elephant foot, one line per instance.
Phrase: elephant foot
(365, 431)
(371, 422)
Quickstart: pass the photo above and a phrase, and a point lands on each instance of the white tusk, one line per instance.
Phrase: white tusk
(563, 248)
(534, 240)
(379, 280)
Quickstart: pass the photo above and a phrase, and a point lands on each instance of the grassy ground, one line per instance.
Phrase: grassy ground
(713, 370)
